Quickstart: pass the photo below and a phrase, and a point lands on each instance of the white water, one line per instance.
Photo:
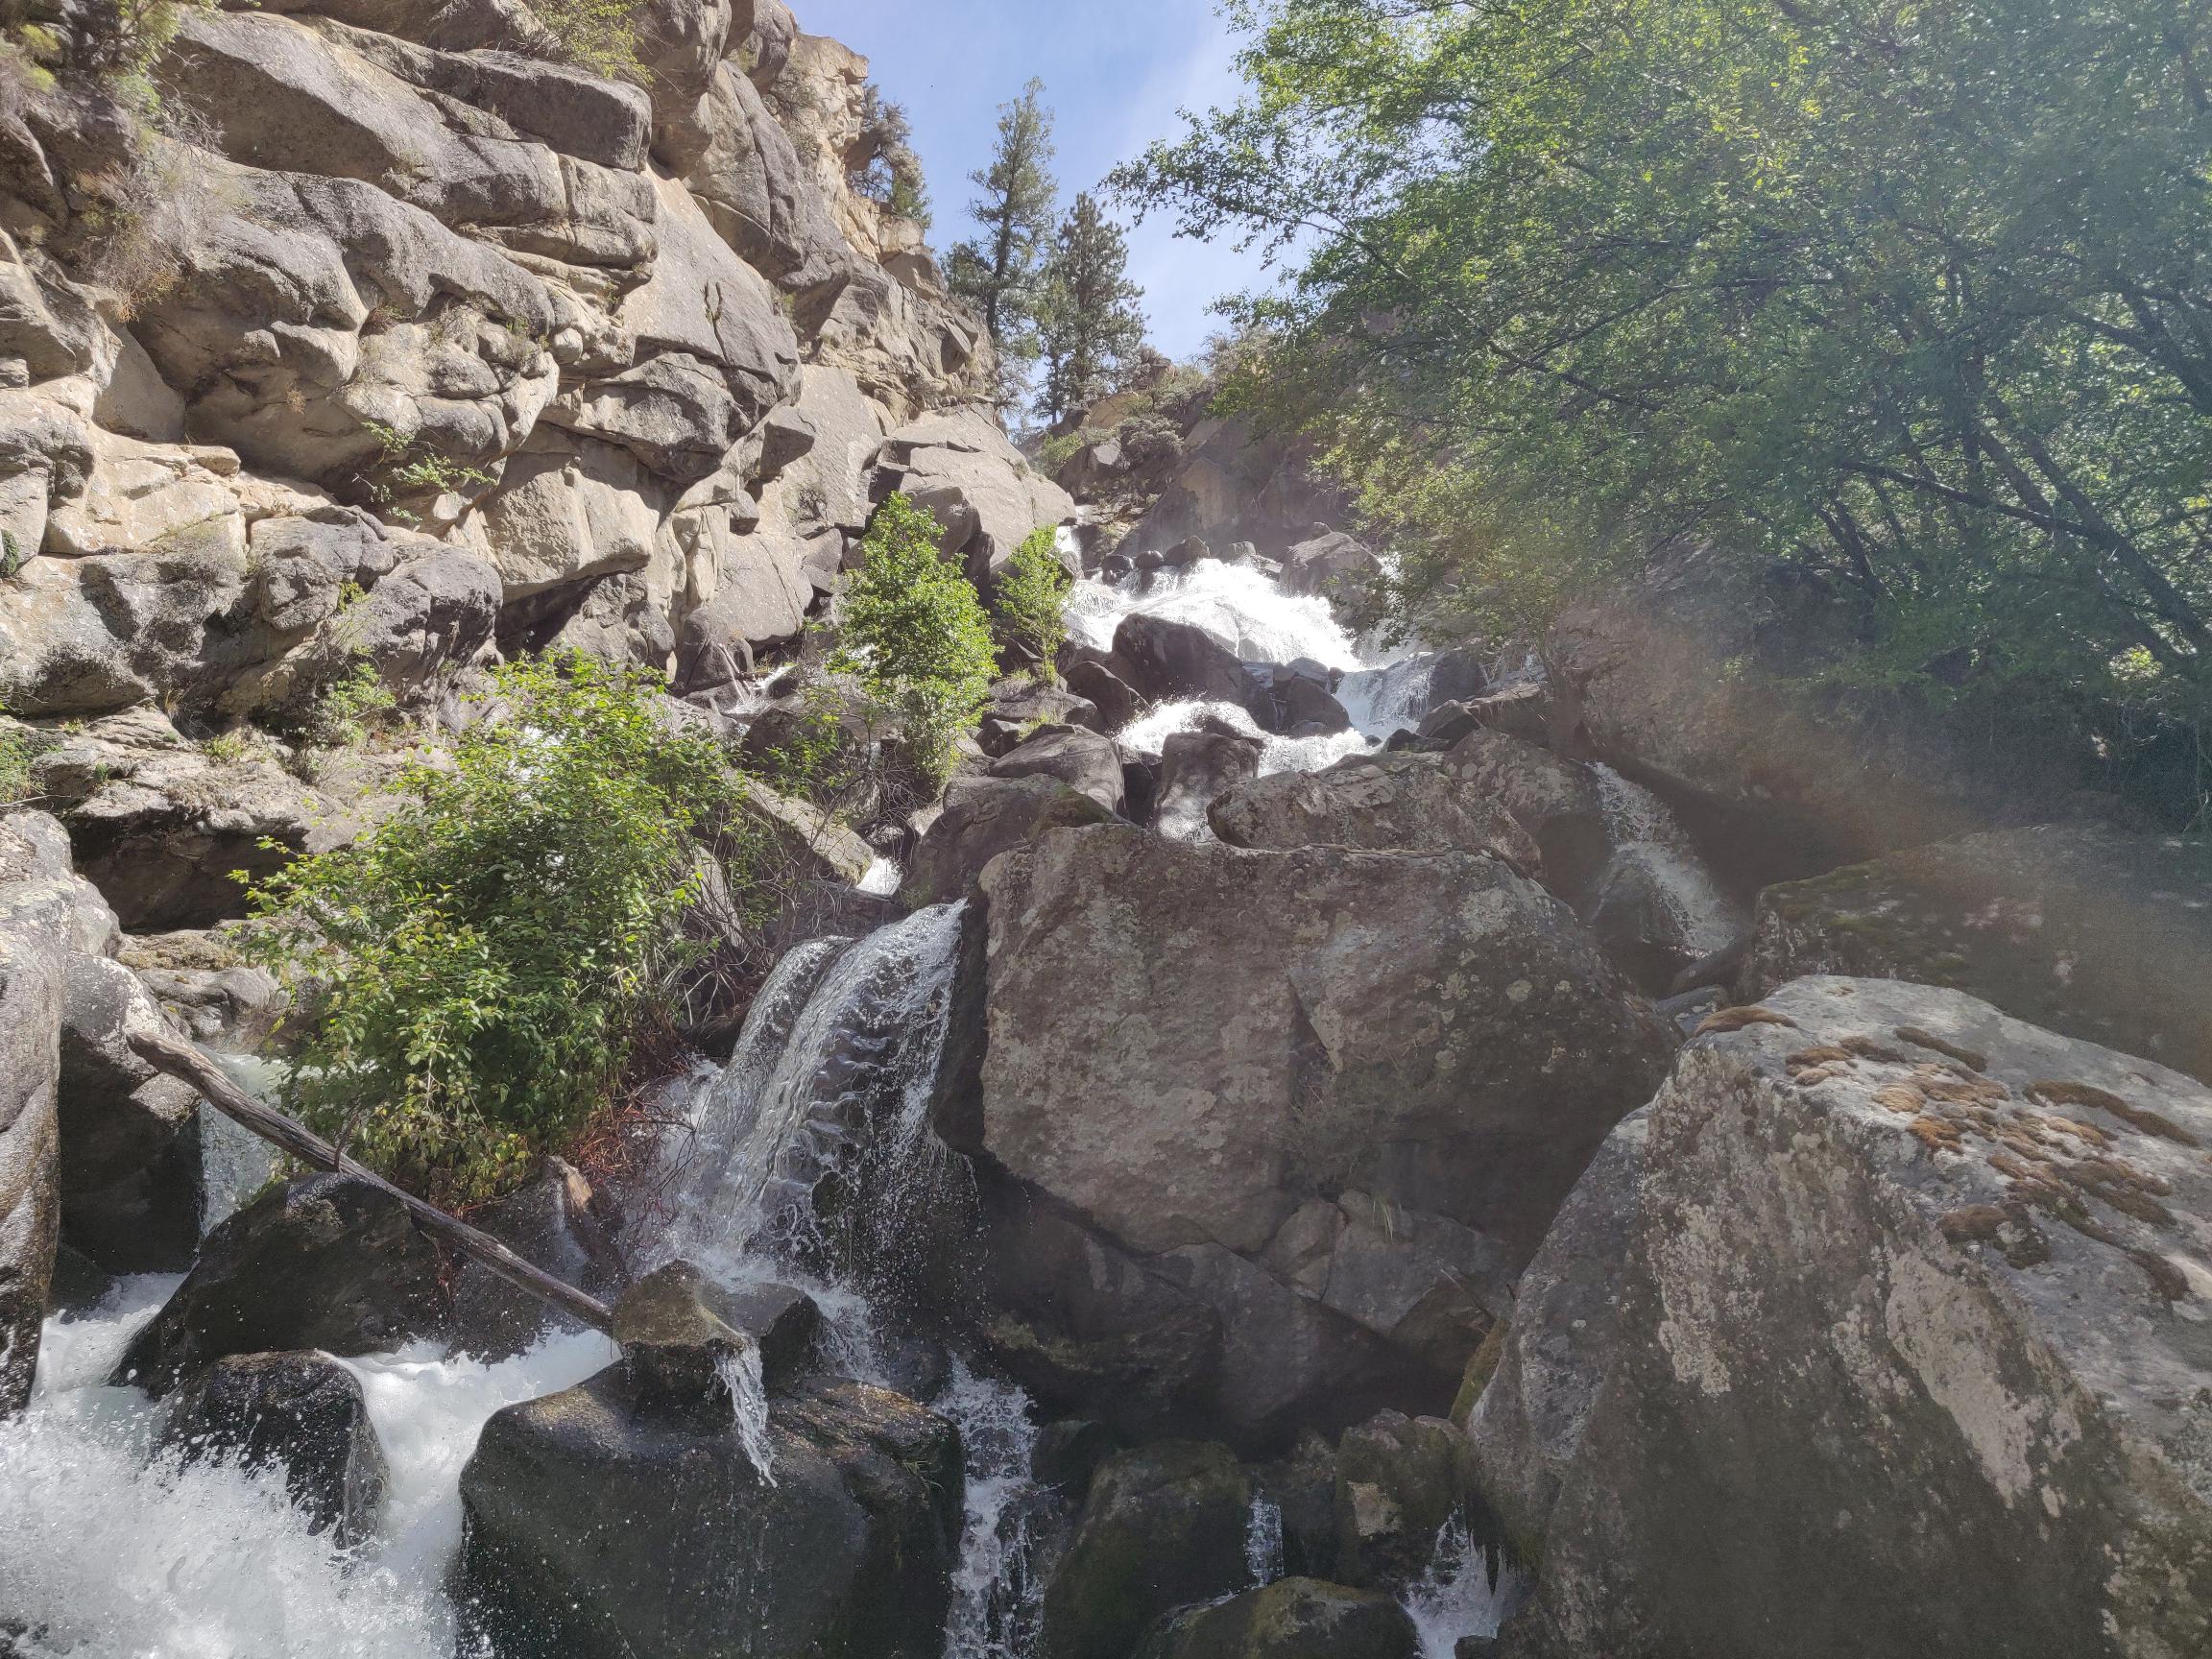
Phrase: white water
(109, 1550)
(1645, 836)
(1247, 613)
(1264, 1542)
(740, 1374)
(882, 877)
(1458, 1595)
(997, 1594)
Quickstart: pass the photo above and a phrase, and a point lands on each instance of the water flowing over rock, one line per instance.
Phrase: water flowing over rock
(1291, 1618)
(1907, 1301)
(1224, 1060)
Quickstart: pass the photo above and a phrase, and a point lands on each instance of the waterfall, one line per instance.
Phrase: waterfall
(1264, 1542)
(740, 1374)
(1646, 836)
(998, 1589)
(1466, 1591)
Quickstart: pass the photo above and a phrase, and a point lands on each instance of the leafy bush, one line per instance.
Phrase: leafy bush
(1056, 452)
(487, 958)
(341, 715)
(915, 635)
(599, 37)
(1032, 599)
(15, 763)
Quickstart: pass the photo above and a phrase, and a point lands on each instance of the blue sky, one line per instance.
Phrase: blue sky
(1114, 76)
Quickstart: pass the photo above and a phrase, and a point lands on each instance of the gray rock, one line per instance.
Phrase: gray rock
(1405, 803)
(1187, 1044)
(1163, 1527)
(1555, 801)
(1334, 566)
(46, 914)
(200, 982)
(2092, 932)
(982, 818)
(1197, 769)
(1397, 1485)
(1018, 708)
(1163, 659)
(1082, 760)
(1291, 1619)
(557, 1223)
(1105, 690)
(961, 466)
(1907, 1301)
(600, 1523)
(130, 1136)
(302, 1414)
(322, 1261)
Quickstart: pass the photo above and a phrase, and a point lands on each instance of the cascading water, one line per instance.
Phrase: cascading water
(1264, 1542)
(998, 1590)
(1466, 1591)
(740, 1374)
(1647, 837)
(1246, 611)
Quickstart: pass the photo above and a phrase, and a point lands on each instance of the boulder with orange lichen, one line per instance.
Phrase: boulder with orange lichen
(1909, 1349)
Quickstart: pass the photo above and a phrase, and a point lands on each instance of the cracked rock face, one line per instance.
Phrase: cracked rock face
(1912, 1352)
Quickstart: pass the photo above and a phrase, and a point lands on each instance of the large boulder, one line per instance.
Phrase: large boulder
(1197, 769)
(130, 1172)
(1291, 1619)
(1335, 566)
(1082, 760)
(1557, 802)
(300, 1414)
(1163, 1527)
(961, 466)
(556, 1222)
(46, 916)
(982, 818)
(1404, 803)
(1162, 659)
(609, 1520)
(1327, 1093)
(2092, 932)
(1908, 1299)
(324, 1261)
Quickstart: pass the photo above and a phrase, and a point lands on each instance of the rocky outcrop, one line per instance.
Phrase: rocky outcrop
(1334, 565)
(1332, 1096)
(2091, 932)
(1196, 770)
(1233, 487)
(1401, 802)
(1908, 1299)
(957, 464)
(322, 1261)
(47, 916)
(1082, 760)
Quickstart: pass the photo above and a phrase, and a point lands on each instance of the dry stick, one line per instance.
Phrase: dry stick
(188, 1063)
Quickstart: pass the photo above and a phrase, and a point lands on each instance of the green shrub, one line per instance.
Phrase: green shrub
(15, 754)
(1032, 600)
(342, 712)
(487, 959)
(599, 37)
(1056, 452)
(915, 635)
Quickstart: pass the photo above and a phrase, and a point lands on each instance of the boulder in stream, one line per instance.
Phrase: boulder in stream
(302, 1413)
(1909, 1352)
(1403, 802)
(1085, 762)
(984, 817)
(324, 1262)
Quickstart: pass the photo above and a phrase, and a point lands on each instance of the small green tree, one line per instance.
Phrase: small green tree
(1031, 608)
(15, 763)
(915, 635)
(1088, 323)
(483, 963)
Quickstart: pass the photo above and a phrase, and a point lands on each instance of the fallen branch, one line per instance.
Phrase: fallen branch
(187, 1063)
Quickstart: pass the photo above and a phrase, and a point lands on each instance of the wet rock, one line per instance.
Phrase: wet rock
(1397, 1484)
(982, 818)
(1069, 1452)
(1403, 802)
(1304, 706)
(602, 1522)
(1190, 1045)
(1104, 690)
(2093, 932)
(557, 1223)
(46, 915)
(322, 1261)
(1083, 760)
(1291, 1619)
(1163, 1527)
(1555, 801)
(1908, 1300)
(1196, 770)
(300, 1413)
(1162, 661)
(129, 1169)
(200, 982)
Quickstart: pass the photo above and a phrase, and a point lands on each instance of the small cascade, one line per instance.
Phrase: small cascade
(740, 1374)
(1647, 840)
(235, 1163)
(1466, 1591)
(998, 1589)
(1264, 1542)
(1149, 734)
(1241, 608)
(882, 877)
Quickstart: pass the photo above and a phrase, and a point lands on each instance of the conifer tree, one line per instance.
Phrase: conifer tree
(998, 269)
(1089, 321)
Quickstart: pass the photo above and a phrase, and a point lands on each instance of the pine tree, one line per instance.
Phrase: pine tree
(1091, 322)
(998, 270)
